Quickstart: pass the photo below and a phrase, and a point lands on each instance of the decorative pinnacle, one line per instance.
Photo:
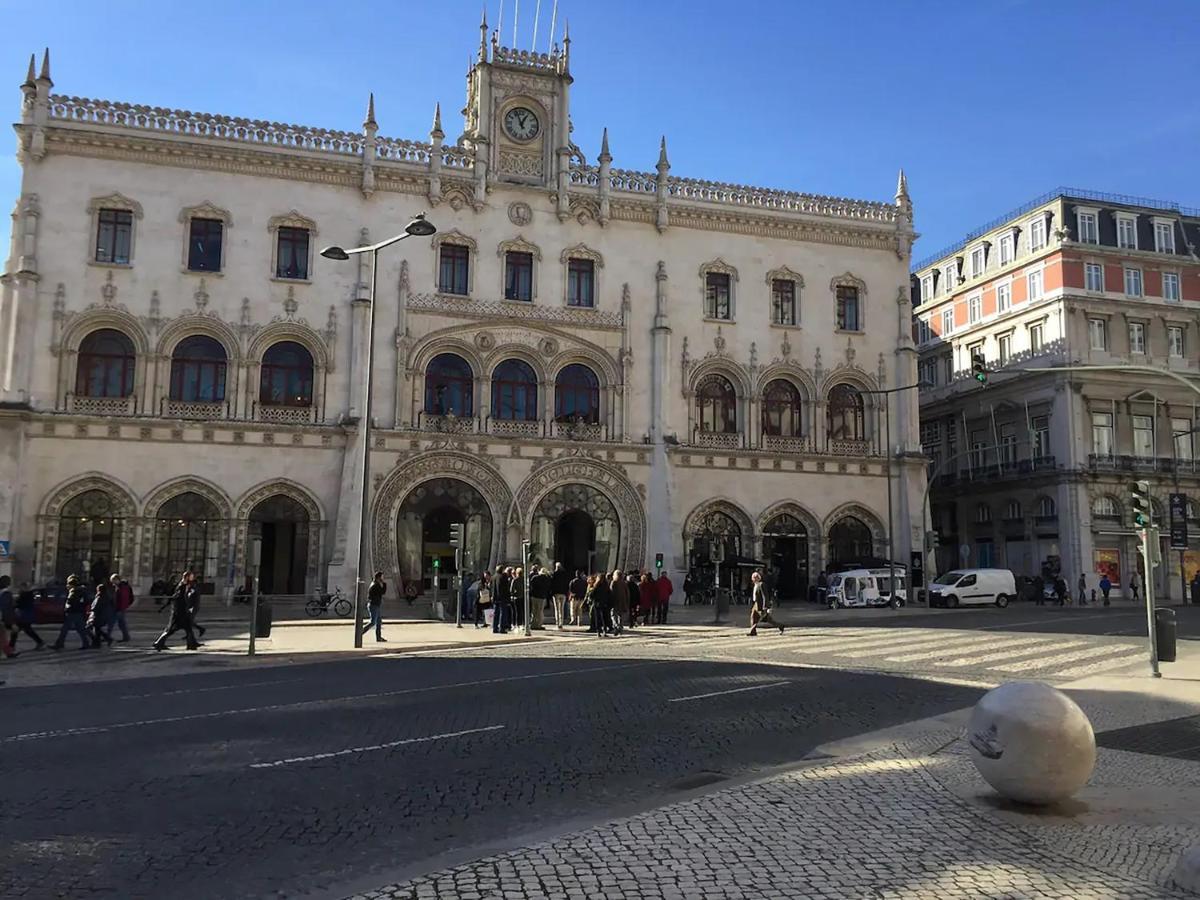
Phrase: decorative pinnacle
(662, 154)
(45, 75)
(483, 28)
(605, 156)
(437, 133)
(901, 188)
(370, 122)
(31, 76)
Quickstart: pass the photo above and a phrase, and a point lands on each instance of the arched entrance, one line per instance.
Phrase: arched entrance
(89, 532)
(423, 531)
(187, 535)
(850, 542)
(785, 551)
(283, 525)
(577, 525)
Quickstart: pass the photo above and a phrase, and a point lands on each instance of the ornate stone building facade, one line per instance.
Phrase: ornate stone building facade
(612, 364)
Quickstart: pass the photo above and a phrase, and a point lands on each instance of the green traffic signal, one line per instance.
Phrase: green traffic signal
(1140, 503)
(979, 368)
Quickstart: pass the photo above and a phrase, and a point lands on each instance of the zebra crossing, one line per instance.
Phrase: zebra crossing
(1002, 655)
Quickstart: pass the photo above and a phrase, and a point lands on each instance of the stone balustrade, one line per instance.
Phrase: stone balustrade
(725, 440)
(286, 415)
(778, 444)
(515, 427)
(101, 406)
(184, 409)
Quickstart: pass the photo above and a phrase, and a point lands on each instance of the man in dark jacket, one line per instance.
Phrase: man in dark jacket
(501, 601)
(375, 591)
(560, 586)
(100, 614)
(8, 618)
(74, 615)
(540, 588)
(578, 590)
(25, 615)
(181, 613)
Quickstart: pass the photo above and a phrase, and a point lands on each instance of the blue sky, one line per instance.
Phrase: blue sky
(985, 105)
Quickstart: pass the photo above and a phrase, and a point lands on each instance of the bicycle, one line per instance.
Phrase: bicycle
(317, 606)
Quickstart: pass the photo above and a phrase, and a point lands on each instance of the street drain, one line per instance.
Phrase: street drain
(699, 780)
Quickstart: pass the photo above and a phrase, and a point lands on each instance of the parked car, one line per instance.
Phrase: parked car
(865, 587)
(49, 604)
(973, 587)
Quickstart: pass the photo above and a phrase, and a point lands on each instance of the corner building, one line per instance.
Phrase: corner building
(609, 363)
(1032, 472)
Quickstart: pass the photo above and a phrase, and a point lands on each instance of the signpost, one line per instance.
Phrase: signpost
(456, 541)
(525, 576)
(255, 560)
(1179, 525)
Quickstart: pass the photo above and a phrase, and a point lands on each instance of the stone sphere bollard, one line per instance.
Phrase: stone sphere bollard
(1187, 870)
(1031, 743)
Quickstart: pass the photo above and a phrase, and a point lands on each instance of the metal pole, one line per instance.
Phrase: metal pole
(437, 608)
(525, 580)
(458, 597)
(360, 586)
(887, 419)
(1148, 534)
(255, 562)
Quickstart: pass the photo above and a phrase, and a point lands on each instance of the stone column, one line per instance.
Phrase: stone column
(660, 536)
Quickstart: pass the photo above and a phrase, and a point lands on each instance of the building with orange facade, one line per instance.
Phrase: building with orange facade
(1031, 471)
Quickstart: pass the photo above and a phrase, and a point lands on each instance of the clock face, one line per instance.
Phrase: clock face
(521, 124)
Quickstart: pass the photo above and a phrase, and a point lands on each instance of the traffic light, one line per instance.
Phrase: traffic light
(1140, 501)
(437, 563)
(456, 534)
(658, 561)
(979, 368)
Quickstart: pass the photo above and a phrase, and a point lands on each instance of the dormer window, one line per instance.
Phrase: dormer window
(1164, 236)
(978, 261)
(1087, 226)
(1127, 232)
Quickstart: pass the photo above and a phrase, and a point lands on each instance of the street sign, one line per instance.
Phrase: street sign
(5, 549)
(1179, 526)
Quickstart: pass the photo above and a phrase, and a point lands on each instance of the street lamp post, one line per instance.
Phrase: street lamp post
(419, 227)
(887, 428)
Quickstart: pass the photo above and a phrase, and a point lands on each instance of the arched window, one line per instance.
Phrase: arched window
(847, 421)
(514, 392)
(1012, 511)
(187, 535)
(89, 531)
(287, 376)
(1046, 508)
(983, 514)
(577, 395)
(449, 386)
(198, 370)
(850, 541)
(782, 410)
(106, 364)
(716, 403)
(1105, 508)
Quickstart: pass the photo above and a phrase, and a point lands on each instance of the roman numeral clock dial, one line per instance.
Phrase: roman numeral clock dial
(521, 124)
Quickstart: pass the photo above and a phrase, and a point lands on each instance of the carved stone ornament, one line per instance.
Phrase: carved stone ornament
(719, 342)
(290, 304)
(485, 341)
(850, 352)
(785, 348)
(109, 290)
(548, 347)
(519, 213)
(201, 296)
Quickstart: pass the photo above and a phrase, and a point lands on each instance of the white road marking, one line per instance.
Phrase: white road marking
(891, 640)
(228, 687)
(372, 748)
(1014, 650)
(945, 648)
(1103, 665)
(754, 687)
(101, 729)
(1046, 662)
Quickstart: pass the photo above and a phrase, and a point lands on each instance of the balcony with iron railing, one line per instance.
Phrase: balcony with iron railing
(1100, 462)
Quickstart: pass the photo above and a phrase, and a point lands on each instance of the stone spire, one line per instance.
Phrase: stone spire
(605, 160)
(566, 45)
(369, 121)
(604, 156)
(436, 133)
(661, 218)
(483, 29)
(662, 155)
(370, 129)
(902, 189)
(45, 74)
(31, 75)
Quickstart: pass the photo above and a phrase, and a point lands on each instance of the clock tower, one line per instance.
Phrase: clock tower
(517, 113)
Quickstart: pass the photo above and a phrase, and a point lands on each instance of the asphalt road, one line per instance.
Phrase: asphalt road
(312, 779)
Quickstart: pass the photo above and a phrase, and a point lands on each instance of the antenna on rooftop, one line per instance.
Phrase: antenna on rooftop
(553, 19)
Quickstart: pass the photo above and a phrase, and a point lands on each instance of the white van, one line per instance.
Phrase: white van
(973, 587)
(865, 587)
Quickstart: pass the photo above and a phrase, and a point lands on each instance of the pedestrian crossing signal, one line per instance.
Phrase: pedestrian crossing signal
(1140, 502)
(658, 561)
(456, 534)
(979, 369)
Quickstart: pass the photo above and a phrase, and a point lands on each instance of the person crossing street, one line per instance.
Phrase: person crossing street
(760, 610)
(181, 613)
(74, 615)
(375, 592)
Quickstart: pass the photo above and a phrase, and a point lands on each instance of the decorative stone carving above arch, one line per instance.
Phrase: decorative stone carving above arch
(848, 279)
(114, 201)
(582, 251)
(788, 370)
(519, 245)
(812, 525)
(720, 366)
(188, 324)
(206, 210)
(291, 330)
(608, 479)
(785, 274)
(522, 352)
(423, 467)
(125, 508)
(693, 525)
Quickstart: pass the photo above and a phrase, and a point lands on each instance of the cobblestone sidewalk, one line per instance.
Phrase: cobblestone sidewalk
(911, 820)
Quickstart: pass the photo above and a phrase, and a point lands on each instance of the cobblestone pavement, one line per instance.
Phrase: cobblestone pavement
(902, 822)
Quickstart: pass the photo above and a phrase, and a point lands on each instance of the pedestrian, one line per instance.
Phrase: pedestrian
(541, 587)
(822, 588)
(635, 597)
(1039, 590)
(560, 586)
(516, 593)
(1133, 587)
(74, 615)
(1060, 590)
(665, 589)
(1196, 588)
(466, 597)
(689, 587)
(483, 599)
(122, 600)
(101, 614)
(502, 605)
(760, 610)
(375, 591)
(648, 598)
(619, 599)
(8, 618)
(181, 614)
(1106, 587)
(578, 589)
(25, 615)
(1082, 590)
(601, 596)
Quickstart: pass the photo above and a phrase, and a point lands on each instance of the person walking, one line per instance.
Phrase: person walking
(1133, 587)
(560, 586)
(1039, 590)
(665, 590)
(122, 600)
(1195, 589)
(25, 616)
(647, 598)
(516, 594)
(578, 589)
(619, 599)
(8, 618)
(1060, 590)
(1105, 587)
(541, 587)
(483, 598)
(635, 598)
(375, 591)
(601, 598)
(101, 614)
(760, 610)
(501, 600)
(181, 615)
(74, 615)
(1082, 590)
